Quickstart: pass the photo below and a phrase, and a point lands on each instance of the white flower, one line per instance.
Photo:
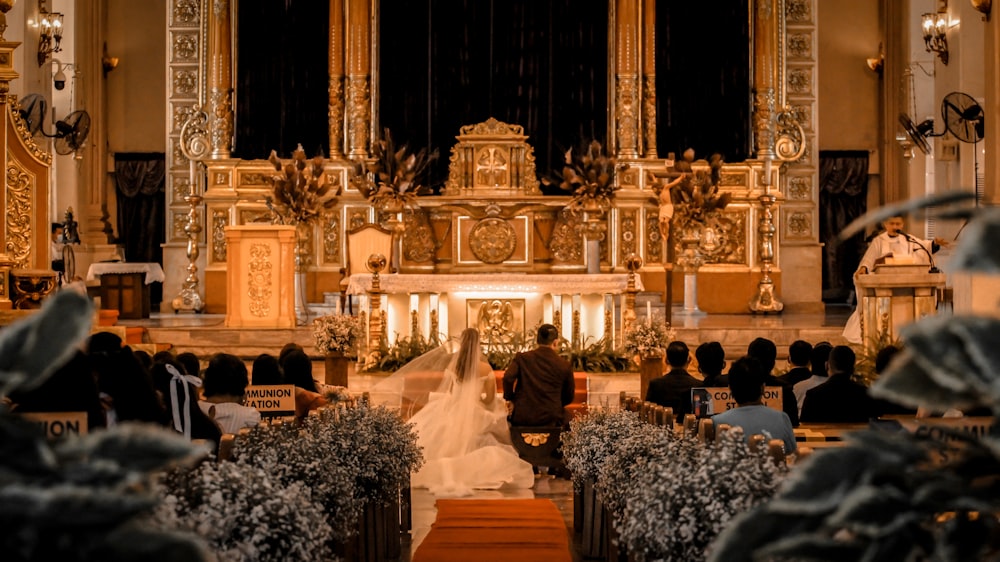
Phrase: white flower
(648, 339)
(337, 333)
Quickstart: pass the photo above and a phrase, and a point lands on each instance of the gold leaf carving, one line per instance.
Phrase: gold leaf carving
(18, 215)
(259, 279)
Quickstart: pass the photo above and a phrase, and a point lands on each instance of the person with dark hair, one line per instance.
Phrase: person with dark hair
(766, 352)
(125, 384)
(538, 384)
(192, 365)
(817, 361)
(746, 383)
(286, 349)
(798, 357)
(673, 390)
(56, 245)
(144, 358)
(297, 368)
(839, 399)
(711, 361)
(224, 388)
(266, 370)
(180, 394)
(71, 388)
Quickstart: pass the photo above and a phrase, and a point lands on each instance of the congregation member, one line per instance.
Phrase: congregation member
(538, 384)
(191, 363)
(673, 390)
(711, 361)
(126, 387)
(798, 357)
(766, 352)
(266, 371)
(224, 387)
(817, 366)
(71, 388)
(746, 383)
(297, 369)
(180, 394)
(839, 399)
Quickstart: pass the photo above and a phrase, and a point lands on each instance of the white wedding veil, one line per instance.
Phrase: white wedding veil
(410, 387)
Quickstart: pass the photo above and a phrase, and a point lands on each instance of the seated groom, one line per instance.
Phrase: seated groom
(538, 384)
(673, 390)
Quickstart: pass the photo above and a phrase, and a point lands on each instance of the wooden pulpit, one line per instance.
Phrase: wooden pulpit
(260, 276)
(894, 296)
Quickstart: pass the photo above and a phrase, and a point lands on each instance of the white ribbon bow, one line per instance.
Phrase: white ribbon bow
(176, 377)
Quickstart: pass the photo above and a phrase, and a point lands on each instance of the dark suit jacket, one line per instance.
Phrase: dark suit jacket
(838, 400)
(540, 384)
(673, 390)
(788, 403)
(795, 375)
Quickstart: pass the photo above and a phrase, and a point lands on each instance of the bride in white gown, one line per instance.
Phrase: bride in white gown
(463, 426)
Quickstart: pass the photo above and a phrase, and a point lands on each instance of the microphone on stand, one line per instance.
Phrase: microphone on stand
(920, 244)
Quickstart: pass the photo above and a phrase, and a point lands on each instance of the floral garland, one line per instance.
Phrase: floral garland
(337, 333)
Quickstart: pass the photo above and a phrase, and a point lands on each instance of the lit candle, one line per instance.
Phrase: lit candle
(649, 313)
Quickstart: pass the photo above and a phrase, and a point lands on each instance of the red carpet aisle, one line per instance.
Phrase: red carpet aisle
(496, 531)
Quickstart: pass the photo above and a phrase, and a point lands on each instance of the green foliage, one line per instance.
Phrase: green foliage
(499, 354)
(404, 350)
(597, 357)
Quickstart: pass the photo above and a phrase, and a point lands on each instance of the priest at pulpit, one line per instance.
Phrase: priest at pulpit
(892, 245)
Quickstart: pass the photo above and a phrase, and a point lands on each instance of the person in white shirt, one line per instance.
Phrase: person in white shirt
(892, 243)
(224, 387)
(817, 365)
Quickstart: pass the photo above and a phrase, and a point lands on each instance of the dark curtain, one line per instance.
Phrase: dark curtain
(282, 78)
(140, 178)
(703, 82)
(843, 196)
(541, 64)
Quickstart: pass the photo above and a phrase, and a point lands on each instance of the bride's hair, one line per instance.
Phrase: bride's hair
(468, 353)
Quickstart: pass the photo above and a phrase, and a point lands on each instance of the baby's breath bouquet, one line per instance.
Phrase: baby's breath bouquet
(244, 512)
(592, 439)
(688, 492)
(337, 333)
(648, 339)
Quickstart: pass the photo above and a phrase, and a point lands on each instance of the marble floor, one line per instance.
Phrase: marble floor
(559, 490)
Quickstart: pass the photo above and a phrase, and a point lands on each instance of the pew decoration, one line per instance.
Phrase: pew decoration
(652, 490)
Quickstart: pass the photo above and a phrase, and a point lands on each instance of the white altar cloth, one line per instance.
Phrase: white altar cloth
(153, 271)
(551, 284)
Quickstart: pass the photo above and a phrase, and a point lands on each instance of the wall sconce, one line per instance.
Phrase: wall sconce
(50, 32)
(875, 64)
(108, 62)
(935, 27)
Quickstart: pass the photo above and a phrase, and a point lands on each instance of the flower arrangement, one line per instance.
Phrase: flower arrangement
(592, 439)
(649, 339)
(266, 521)
(392, 178)
(300, 192)
(630, 456)
(589, 176)
(686, 492)
(692, 195)
(337, 333)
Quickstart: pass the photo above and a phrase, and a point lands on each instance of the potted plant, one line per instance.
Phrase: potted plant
(337, 337)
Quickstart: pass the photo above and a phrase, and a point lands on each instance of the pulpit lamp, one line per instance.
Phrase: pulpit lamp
(376, 263)
(633, 262)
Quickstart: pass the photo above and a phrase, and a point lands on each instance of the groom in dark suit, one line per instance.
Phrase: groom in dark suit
(538, 384)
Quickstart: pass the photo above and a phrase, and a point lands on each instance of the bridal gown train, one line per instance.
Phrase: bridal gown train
(466, 442)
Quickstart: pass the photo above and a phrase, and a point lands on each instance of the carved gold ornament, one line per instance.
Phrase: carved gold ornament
(259, 282)
(492, 240)
(535, 439)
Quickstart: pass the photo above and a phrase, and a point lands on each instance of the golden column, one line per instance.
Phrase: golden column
(649, 77)
(765, 55)
(336, 90)
(627, 103)
(220, 79)
(358, 77)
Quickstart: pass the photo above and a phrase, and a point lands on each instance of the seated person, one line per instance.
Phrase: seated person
(839, 399)
(766, 352)
(225, 384)
(673, 390)
(746, 383)
(798, 357)
(817, 363)
(297, 369)
(711, 361)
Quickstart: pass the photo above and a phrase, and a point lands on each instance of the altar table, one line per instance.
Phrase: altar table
(125, 286)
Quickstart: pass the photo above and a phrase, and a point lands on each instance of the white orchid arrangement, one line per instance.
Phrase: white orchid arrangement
(337, 333)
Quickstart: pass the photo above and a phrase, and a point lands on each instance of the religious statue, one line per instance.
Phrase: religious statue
(495, 322)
